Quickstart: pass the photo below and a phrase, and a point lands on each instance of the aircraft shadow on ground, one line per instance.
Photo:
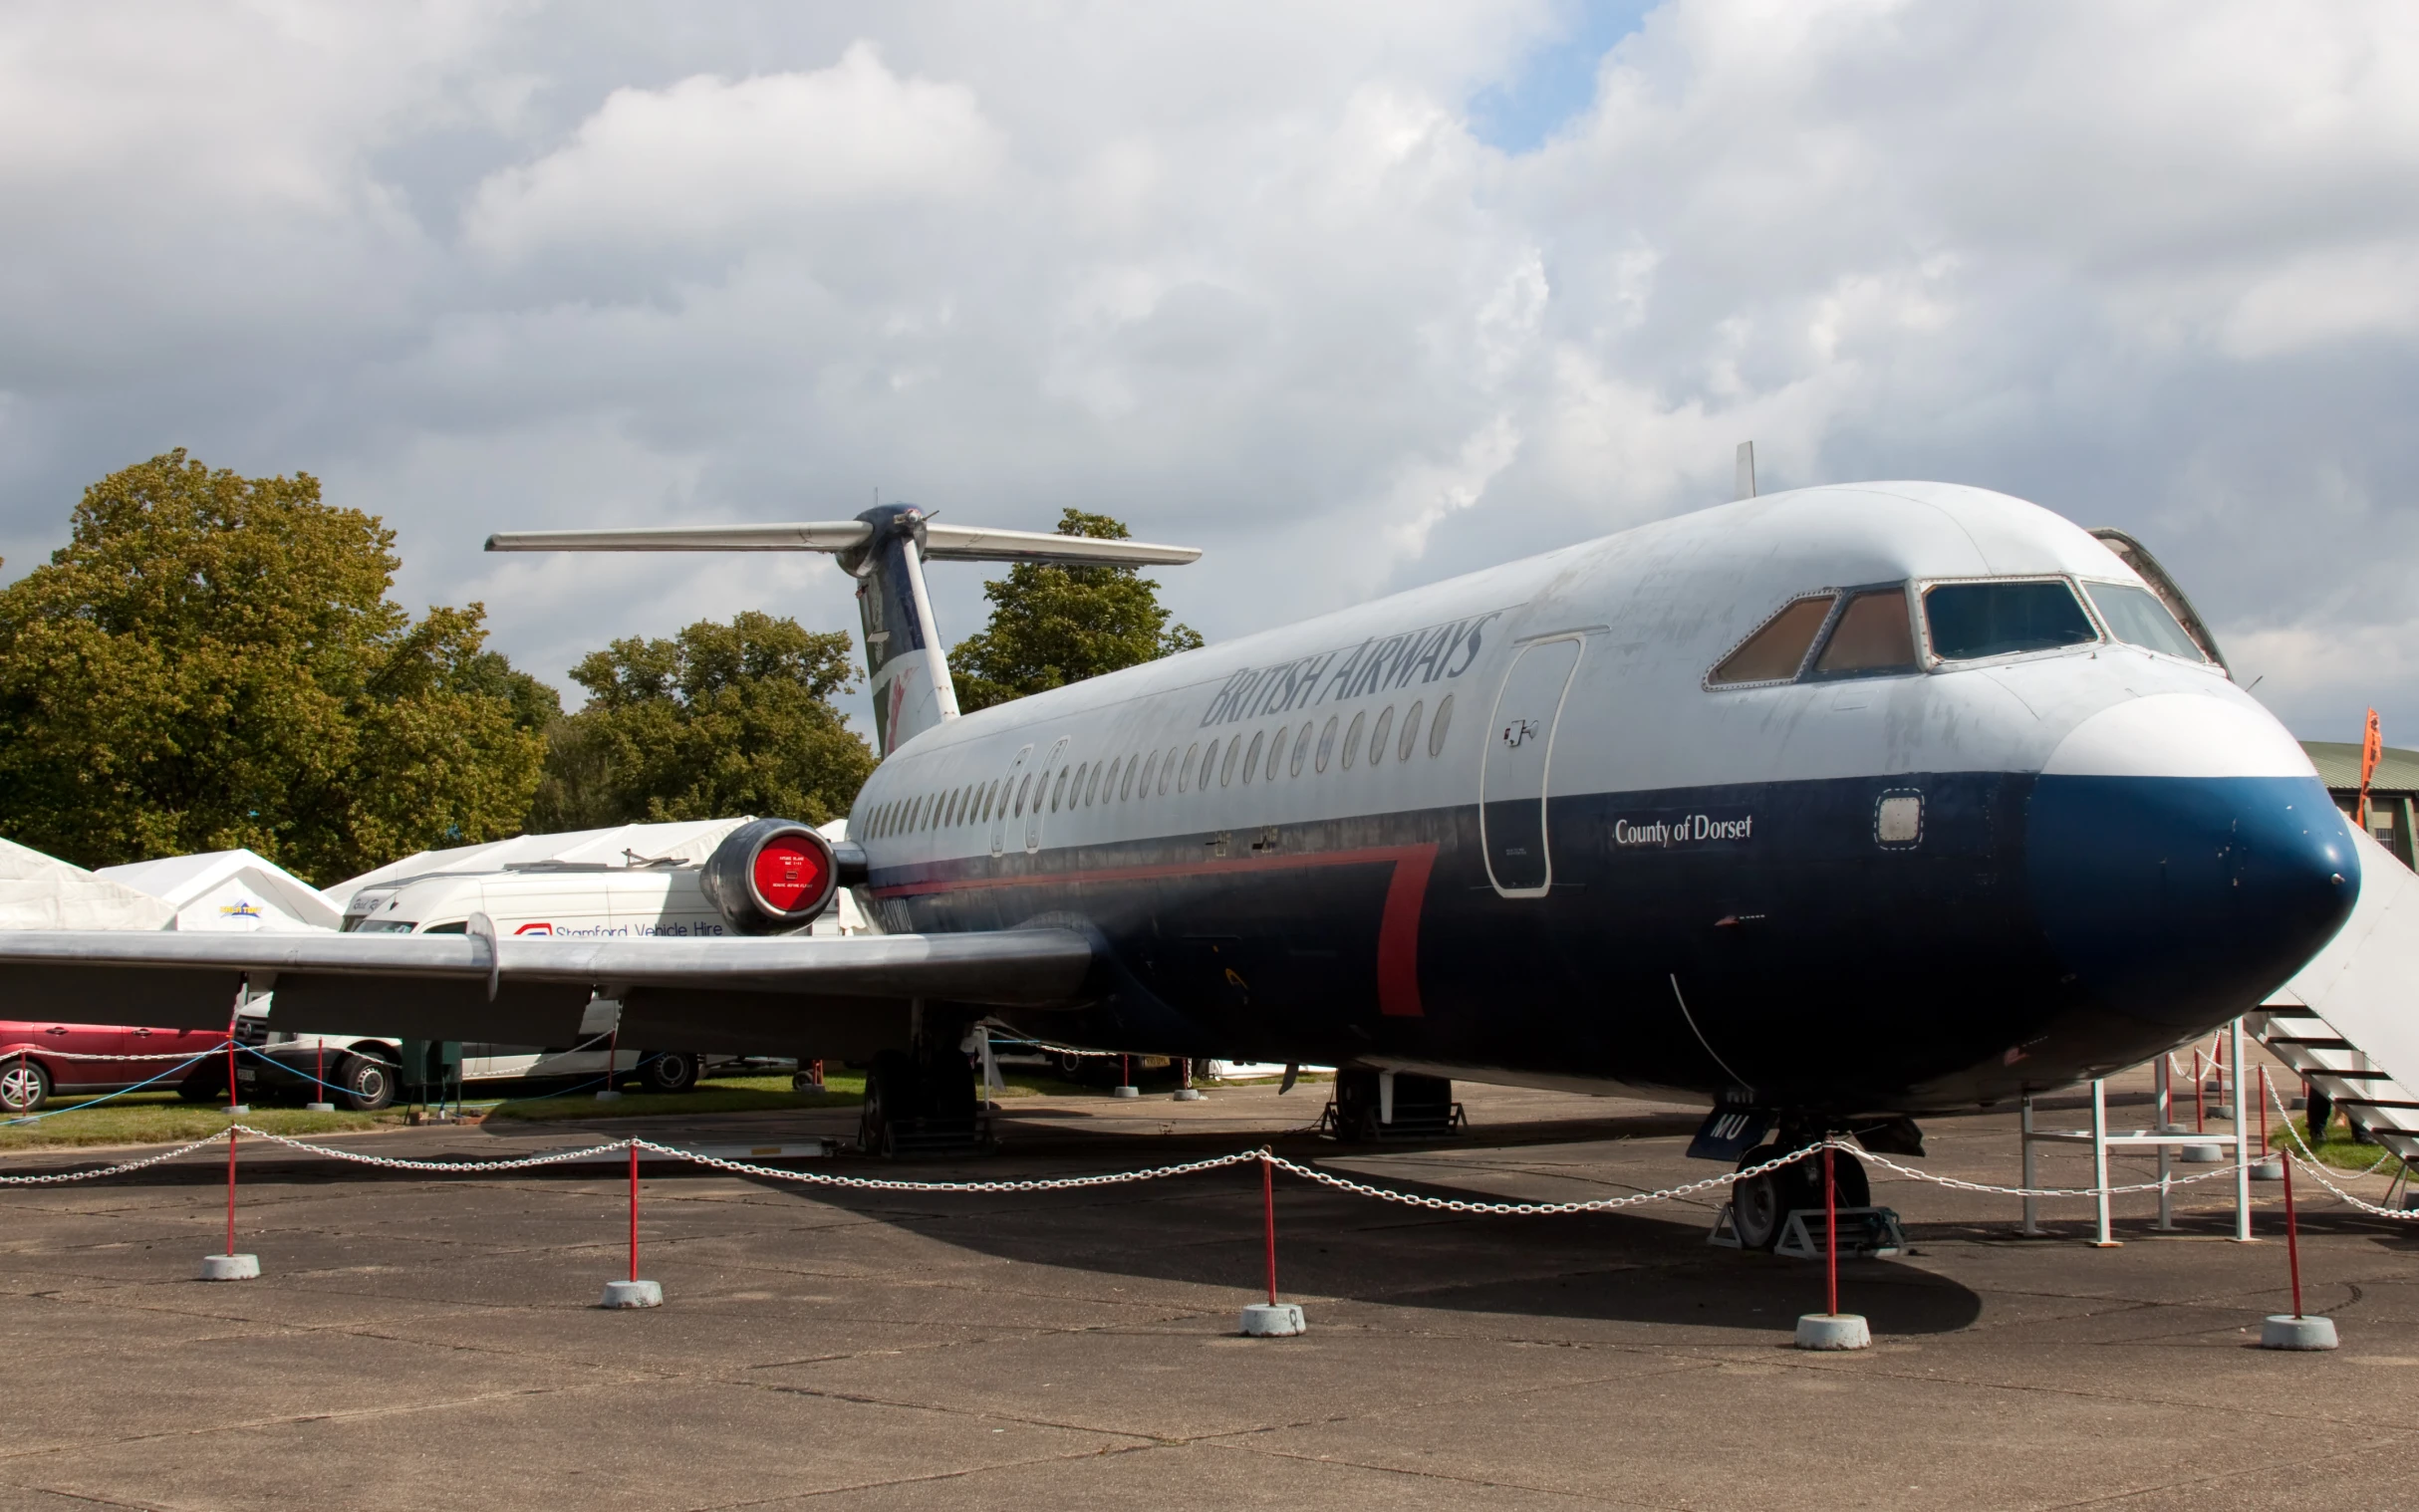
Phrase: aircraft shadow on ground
(1614, 1267)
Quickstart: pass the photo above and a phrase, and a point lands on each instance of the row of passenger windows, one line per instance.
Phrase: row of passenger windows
(1871, 633)
(1267, 757)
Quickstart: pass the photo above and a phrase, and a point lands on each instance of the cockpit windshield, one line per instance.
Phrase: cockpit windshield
(1968, 621)
(2136, 616)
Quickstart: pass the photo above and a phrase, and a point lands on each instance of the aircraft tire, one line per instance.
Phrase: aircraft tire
(888, 1101)
(1760, 1204)
(668, 1071)
(24, 1086)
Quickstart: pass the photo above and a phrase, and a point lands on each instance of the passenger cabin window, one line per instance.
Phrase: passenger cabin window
(1871, 638)
(1410, 732)
(1968, 621)
(1775, 652)
(1352, 739)
(1252, 758)
(1435, 731)
(2136, 616)
(1377, 737)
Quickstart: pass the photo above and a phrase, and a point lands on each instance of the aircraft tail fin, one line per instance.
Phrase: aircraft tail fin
(885, 550)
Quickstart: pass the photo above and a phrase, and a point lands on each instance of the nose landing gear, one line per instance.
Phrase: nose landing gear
(1761, 1205)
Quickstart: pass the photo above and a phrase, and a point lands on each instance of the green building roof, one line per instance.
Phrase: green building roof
(2339, 763)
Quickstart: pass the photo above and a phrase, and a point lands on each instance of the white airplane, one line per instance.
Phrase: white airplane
(1832, 806)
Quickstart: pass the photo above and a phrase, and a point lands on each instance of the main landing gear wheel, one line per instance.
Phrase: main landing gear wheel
(668, 1071)
(24, 1087)
(917, 1105)
(1761, 1205)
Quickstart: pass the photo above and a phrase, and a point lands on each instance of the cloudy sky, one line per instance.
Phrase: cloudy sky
(1355, 296)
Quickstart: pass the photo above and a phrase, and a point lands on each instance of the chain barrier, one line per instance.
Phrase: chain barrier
(37, 1051)
(35, 1118)
(2308, 1161)
(1309, 1174)
(1955, 1183)
(55, 1178)
(884, 1184)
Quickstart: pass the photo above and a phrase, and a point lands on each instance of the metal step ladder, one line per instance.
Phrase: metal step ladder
(2350, 1020)
(2366, 1092)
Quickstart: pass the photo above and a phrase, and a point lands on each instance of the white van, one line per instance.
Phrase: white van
(581, 900)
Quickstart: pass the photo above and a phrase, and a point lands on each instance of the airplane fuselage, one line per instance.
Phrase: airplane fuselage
(1554, 823)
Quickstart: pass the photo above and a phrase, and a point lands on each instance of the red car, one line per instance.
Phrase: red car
(39, 1061)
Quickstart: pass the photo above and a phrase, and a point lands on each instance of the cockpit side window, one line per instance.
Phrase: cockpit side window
(1774, 652)
(1970, 620)
(2136, 616)
(1873, 637)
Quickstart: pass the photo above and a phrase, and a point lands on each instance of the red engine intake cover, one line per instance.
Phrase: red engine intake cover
(790, 874)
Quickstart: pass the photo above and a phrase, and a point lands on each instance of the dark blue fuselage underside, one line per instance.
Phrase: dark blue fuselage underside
(2036, 929)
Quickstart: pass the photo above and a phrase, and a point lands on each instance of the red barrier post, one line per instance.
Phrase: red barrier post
(1830, 1225)
(232, 1102)
(230, 1189)
(2199, 1093)
(1268, 1218)
(634, 1209)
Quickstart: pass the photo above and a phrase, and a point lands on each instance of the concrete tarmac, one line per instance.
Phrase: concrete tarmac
(432, 1342)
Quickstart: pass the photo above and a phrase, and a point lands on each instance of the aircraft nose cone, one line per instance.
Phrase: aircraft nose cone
(2184, 859)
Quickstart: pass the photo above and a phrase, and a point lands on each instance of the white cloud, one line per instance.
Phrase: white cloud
(1241, 274)
(712, 161)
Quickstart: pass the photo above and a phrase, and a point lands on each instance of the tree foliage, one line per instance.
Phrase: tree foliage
(212, 662)
(1051, 625)
(722, 719)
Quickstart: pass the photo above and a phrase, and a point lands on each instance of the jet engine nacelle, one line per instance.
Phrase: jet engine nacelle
(770, 876)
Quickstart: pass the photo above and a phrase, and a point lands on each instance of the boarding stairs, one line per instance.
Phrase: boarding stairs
(2348, 1022)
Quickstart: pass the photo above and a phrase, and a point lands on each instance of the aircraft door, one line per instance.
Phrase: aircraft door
(1007, 797)
(1512, 774)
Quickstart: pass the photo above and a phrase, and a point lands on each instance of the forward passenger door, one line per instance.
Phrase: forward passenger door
(1514, 771)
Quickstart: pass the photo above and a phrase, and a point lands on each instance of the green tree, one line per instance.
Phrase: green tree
(212, 662)
(722, 719)
(1051, 625)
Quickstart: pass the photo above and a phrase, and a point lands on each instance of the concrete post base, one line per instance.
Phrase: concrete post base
(236, 1110)
(319, 1108)
(632, 1293)
(1274, 1320)
(608, 1095)
(2270, 1169)
(1834, 1330)
(1126, 1092)
(2201, 1154)
(247, 1268)
(2285, 1332)
(1188, 1094)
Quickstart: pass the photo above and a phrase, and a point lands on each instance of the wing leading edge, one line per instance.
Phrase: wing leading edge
(724, 994)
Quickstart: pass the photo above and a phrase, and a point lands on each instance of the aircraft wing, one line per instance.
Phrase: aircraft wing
(763, 995)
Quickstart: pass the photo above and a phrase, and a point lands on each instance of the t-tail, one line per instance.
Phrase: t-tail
(884, 549)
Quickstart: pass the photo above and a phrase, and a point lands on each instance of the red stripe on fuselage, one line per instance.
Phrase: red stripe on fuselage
(1398, 923)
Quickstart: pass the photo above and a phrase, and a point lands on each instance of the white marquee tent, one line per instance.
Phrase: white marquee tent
(39, 892)
(230, 890)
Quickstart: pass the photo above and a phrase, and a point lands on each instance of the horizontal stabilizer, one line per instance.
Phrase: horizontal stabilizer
(942, 543)
(975, 542)
(810, 535)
